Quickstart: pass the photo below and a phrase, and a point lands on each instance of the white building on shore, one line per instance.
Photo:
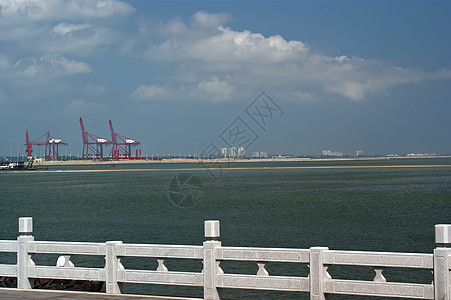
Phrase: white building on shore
(260, 154)
(232, 153)
(224, 152)
(359, 153)
(331, 153)
(241, 152)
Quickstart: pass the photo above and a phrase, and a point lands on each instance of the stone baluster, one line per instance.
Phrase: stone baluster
(262, 268)
(112, 266)
(379, 274)
(65, 261)
(211, 265)
(442, 257)
(161, 265)
(24, 259)
(318, 273)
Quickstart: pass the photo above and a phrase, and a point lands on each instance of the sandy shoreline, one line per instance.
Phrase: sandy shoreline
(224, 160)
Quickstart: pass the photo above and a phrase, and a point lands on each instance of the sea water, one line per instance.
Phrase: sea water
(258, 205)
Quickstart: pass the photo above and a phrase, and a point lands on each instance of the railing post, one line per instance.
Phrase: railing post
(211, 268)
(318, 273)
(442, 253)
(112, 267)
(23, 257)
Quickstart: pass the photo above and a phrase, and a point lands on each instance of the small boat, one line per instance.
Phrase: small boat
(21, 166)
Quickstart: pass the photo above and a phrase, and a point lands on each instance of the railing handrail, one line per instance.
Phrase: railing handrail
(160, 250)
(263, 254)
(67, 248)
(8, 246)
(318, 282)
(379, 259)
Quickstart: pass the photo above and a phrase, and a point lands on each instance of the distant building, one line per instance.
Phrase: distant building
(260, 154)
(418, 155)
(233, 152)
(224, 152)
(331, 153)
(359, 153)
(241, 152)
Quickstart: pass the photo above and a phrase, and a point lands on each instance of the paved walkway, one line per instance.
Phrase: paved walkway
(6, 293)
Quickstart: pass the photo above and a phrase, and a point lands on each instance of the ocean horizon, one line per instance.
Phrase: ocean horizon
(374, 205)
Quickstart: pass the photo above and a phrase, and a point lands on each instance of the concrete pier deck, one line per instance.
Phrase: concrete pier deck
(10, 293)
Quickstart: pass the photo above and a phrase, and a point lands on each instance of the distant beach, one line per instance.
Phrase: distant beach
(224, 160)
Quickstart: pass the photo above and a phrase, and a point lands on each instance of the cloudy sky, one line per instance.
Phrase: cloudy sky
(180, 75)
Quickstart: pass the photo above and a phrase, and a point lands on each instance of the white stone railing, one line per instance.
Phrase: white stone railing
(212, 278)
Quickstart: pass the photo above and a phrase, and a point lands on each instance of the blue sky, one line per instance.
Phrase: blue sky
(174, 75)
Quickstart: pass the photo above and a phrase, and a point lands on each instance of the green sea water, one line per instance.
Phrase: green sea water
(374, 209)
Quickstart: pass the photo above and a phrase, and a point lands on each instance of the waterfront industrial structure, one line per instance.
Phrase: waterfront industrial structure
(92, 144)
(51, 145)
(122, 146)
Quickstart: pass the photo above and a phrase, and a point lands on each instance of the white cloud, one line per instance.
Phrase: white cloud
(65, 28)
(217, 89)
(359, 78)
(47, 67)
(207, 48)
(225, 46)
(147, 92)
(233, 46)
(95, 89)
(19, 33)
(82, 40)
(212, 89)
(208, 20)
(303, 96)
(352, 90)
(4, 62)
(76, 27)
(212, 61)
(51, 10)
(77, 107)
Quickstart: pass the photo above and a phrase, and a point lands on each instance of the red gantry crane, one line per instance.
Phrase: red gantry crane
(51, 145)
(92, 144)
(122, 146)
